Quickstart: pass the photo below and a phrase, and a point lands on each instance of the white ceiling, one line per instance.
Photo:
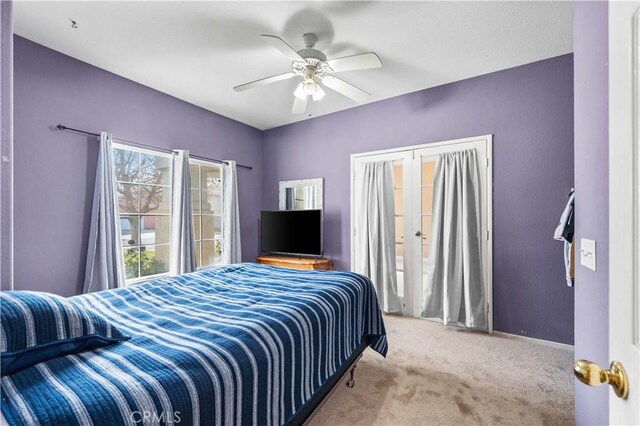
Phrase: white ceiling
(197, 51)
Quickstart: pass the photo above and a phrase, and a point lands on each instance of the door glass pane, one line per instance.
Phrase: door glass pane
(424, 280)
(129, 229)
(155, 230)
(397, 175)
(400, 268)
(426, 228)
(428, 169)
(398, 183)
(399, 205)
(424, 258)
(427, 195)
(399, 229)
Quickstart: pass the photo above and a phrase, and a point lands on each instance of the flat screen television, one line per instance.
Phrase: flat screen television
(296, 232)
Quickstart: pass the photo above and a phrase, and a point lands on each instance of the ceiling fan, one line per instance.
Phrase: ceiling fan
(314, 68)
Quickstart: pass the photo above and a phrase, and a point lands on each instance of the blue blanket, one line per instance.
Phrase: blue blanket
(238, 344)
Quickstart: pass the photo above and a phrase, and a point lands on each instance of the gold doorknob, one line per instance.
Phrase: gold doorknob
(592, 374)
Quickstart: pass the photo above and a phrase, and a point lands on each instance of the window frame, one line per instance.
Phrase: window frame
(198, 238)
(123, 248)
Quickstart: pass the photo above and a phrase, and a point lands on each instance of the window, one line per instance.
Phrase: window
(143, 180)
(206, 199)
(143, 187)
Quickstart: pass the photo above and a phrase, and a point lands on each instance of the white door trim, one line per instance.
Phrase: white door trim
(399, 153)
(624, 204)
(489, 137)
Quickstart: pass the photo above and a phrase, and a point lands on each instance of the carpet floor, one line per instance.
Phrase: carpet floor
(435, 375)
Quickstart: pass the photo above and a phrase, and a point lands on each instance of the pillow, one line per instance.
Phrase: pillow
(35, 327)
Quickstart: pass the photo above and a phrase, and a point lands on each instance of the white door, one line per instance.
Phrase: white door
(624, 207)
(413, 172)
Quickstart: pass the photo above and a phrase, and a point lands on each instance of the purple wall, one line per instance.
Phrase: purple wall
(591, 86)
(55, 171)
(6, 138)
(529, 110)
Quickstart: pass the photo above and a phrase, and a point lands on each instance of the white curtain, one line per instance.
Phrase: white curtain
(104, 255)
(376, 231)
(454, 288)
(231, 246)
(309, 197)
(183, 254)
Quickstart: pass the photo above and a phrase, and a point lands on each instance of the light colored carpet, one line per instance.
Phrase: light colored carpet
(435, 375)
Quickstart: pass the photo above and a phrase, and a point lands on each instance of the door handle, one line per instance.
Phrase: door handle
(592, 374)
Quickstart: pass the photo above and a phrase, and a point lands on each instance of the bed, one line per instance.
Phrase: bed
(237, 344)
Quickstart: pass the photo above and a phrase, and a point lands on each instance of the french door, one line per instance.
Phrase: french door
(413, 174)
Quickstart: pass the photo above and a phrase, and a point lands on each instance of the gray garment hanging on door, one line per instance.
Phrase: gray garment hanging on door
(565, 232)
(376, 231)
(454, 285)
(104, 256)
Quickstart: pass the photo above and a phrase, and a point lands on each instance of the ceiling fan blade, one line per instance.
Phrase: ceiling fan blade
(283, 47)
(362, 61)
(299, 105)
(346, 89)
(263, 81)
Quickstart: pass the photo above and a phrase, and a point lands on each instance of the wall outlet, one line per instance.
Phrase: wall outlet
(588, 253)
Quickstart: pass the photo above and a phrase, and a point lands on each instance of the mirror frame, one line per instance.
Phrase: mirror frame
(316, 182)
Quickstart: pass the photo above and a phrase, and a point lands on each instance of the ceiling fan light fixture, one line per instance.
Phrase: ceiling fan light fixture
(300, 93)
(318, 94)
(309, 86)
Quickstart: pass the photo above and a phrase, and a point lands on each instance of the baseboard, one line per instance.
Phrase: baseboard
(534, 340)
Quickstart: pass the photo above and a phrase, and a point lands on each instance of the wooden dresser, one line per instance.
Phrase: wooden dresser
(296, 262)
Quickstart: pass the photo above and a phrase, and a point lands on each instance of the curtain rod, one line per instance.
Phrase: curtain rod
(69, 129)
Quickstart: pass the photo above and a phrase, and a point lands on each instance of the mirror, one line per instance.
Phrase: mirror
(304, 194)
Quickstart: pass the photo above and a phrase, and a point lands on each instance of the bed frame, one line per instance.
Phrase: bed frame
(304, 415)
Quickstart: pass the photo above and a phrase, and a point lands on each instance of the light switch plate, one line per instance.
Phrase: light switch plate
(588, 253)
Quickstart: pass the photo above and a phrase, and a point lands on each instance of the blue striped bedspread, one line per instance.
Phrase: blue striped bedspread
(237, 344)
